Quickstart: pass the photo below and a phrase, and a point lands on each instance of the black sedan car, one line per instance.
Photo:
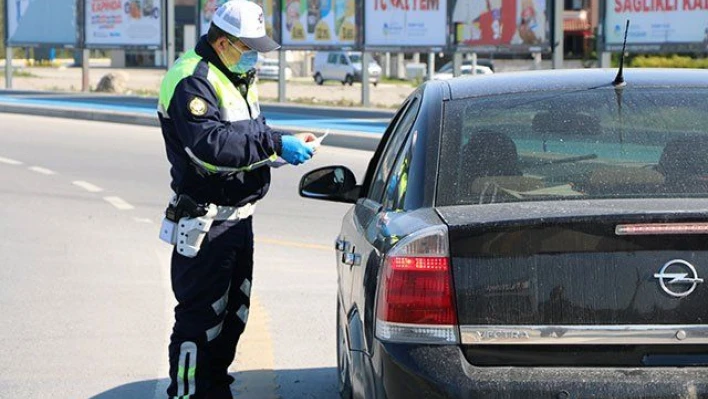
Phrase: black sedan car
(539, 234)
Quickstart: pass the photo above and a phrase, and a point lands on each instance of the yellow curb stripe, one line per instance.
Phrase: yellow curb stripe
(255, 377)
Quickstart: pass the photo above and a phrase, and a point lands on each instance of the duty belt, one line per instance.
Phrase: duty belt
(186, 223)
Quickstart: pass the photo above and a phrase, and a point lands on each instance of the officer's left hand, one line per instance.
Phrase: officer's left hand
(295, 150)
(306, 137)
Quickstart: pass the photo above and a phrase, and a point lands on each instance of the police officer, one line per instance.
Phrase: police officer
(220, 149)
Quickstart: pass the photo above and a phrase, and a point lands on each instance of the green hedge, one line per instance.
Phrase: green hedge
(673, 61)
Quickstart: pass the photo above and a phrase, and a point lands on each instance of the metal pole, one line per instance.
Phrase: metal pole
(387, 70)
(537, 58)
(558, 34)
(85, 56)
(281, 75)
(431, 65)
(170, 33)
(474, 63)
(605, 59)
(365, 60)
(457, 64)
(8, 67)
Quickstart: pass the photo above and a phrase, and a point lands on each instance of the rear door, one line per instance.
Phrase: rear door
(357, 253)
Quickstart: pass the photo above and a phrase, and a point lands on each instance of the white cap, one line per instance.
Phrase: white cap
(244, 20)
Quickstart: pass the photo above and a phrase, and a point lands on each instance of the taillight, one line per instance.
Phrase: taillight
(415, 301)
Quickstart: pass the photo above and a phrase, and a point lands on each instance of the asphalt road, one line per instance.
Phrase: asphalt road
(84, 281)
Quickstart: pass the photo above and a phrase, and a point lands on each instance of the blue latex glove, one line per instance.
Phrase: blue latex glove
(296, 151)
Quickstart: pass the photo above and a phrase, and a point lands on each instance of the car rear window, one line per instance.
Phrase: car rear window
(599, 143)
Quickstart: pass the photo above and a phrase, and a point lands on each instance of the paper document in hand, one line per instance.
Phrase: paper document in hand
(318, 141)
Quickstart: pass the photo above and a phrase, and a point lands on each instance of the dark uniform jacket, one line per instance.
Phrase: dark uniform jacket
(216, 138)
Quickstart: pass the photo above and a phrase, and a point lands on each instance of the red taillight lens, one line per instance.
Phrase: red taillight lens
(416, 290)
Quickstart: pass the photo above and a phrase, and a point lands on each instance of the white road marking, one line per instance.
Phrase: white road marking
(87, 186)
(9, 161)
(42, 170)
(119, 203)
(143, 220)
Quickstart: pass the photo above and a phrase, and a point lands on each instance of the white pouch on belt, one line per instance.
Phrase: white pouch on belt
(190, 232)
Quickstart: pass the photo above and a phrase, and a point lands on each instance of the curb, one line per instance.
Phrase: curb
(337, 138)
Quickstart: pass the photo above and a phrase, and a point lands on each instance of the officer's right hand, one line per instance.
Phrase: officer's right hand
(295, 151)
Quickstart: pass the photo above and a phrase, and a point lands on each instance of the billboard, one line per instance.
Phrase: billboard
(391, 23)
(656, 25)
(57, 18)
(499, 25)
(123, 23)
(318, 23)
(207, 8)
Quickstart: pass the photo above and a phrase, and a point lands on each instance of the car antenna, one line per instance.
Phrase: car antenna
(619, 85)
(619, 79)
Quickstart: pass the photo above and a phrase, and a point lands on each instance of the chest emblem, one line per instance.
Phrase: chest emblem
(197, 106)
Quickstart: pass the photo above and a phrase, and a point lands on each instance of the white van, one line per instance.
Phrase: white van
(344, 66)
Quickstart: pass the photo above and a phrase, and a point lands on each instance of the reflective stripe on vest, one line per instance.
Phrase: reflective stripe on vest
(232, 105)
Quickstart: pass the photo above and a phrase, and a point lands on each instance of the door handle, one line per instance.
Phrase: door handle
(351, 259)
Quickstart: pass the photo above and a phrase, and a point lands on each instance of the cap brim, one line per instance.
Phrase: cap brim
(262, 44)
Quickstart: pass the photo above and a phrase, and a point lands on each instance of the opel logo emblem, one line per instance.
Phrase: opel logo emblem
(678, 278)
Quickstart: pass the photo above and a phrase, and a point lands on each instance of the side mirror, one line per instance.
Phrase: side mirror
(331, 183)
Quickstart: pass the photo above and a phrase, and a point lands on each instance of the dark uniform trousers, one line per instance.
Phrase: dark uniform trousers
(213, 295)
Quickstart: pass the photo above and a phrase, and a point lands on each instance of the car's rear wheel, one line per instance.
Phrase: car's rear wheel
(349, 80)
(344, 377)
(318, 79)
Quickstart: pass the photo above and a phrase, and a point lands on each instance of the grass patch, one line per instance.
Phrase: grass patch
(19, 73)
(400, 82)
(673, 61)
(143, 92)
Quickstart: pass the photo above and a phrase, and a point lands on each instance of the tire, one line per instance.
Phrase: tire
(318, 79)
(376, 84)
(349, 80)
(344, 381)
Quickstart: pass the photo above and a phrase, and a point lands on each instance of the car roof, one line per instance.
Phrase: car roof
(573, 79)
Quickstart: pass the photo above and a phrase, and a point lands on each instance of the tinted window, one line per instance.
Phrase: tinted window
(393, 147)
(397, 186)
(343, 60)
(355, 58)
(332, 59)
(575, 145)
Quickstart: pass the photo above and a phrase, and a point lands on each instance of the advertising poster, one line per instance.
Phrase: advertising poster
(406, 23)
(57, 19)
(124, 23)
(319, 22)
(657, 22)
(207, 8)
(501, 23)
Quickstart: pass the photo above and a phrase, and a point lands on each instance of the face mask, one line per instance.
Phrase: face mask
(247, 61)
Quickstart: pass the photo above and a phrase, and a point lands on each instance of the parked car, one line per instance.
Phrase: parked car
(269, 69)
(343, 66)
(480, 61)
(527, 235)
(465, 70)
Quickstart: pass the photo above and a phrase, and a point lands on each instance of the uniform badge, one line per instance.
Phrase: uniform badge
(197, 106)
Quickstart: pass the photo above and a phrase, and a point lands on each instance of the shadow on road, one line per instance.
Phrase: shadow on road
(300, 383)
